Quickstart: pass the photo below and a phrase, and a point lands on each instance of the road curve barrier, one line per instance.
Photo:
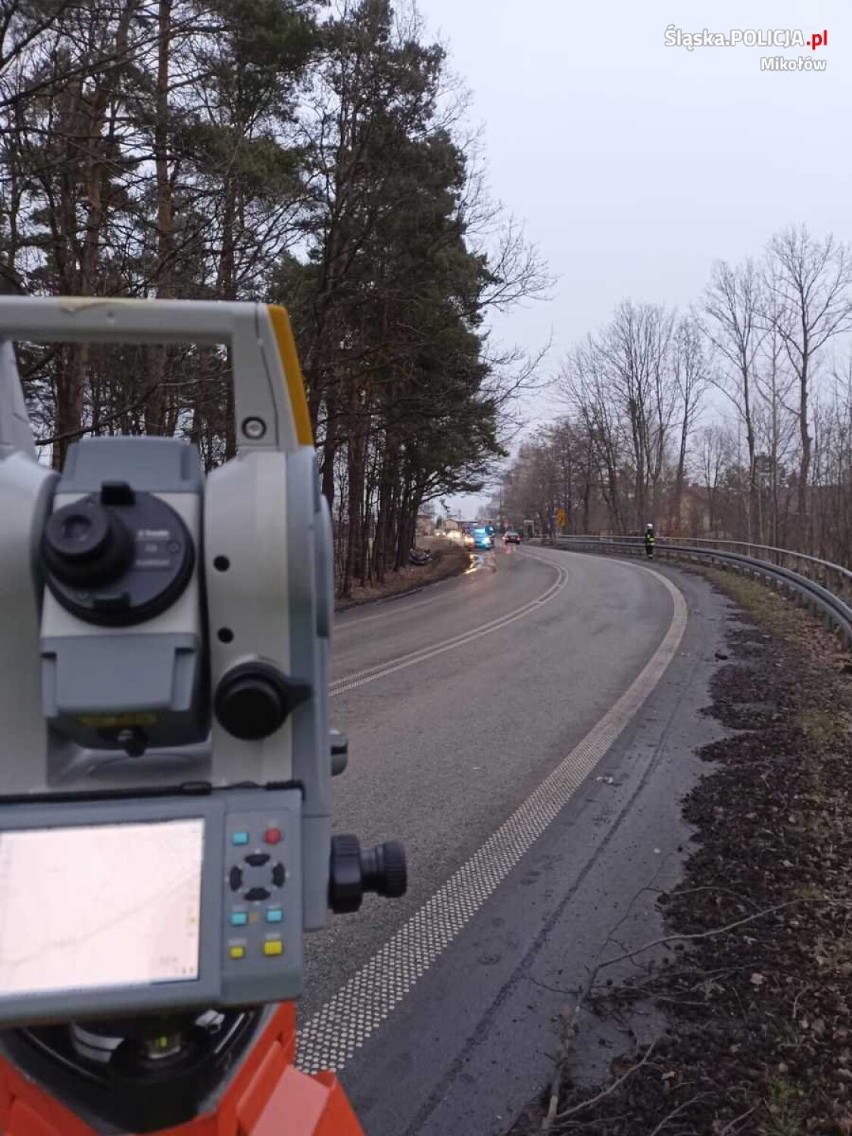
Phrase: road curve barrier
(818, 585)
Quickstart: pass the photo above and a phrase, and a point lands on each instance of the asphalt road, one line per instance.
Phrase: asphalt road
(481, 714)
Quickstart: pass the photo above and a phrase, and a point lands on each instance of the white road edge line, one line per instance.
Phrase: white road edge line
(382, 670)
(330, 1038)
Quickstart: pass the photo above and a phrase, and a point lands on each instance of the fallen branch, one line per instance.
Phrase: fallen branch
(611, 1088)
(585, 993)
(570, 1030)
(698, 934)
(561, 1061)
(729, 1128)
(675, 1112)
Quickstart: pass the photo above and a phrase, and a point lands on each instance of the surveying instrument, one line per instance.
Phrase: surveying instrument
(165, 752)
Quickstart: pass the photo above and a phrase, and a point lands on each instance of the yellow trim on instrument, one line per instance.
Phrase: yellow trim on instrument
(292, 372)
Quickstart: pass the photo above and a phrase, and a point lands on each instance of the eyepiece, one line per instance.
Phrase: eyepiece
(86, 545)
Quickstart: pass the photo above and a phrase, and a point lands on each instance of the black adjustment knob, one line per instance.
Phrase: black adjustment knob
(384, 869)
(355, 871)
(255, 699)
(86, 545)
(339, 753)
(346, 886)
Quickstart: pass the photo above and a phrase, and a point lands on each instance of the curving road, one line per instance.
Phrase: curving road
(476, 711)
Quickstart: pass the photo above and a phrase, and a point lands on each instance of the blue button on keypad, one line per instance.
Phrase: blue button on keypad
(239, 838)
(274, 915)
(239, 919)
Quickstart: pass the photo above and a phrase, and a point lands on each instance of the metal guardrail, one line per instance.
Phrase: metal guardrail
(811, 593)
(834, 577)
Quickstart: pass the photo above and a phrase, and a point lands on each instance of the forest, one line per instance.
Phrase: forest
(283, 151)
(320, 156)
(732, 420)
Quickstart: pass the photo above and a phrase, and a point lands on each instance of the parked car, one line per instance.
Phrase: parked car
(511, 537)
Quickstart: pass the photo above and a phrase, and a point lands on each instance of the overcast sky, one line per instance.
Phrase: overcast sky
(634, 165)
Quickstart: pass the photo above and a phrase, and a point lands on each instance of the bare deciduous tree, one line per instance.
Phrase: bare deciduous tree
(690, 375)
(732, 323)
(807, 302)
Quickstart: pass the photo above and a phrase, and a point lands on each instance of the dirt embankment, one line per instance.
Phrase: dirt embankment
(754, 979)
(447, 560)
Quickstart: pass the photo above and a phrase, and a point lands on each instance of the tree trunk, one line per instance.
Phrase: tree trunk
(805, 463)
(70, 395)
(155, 409)
(751, 508)
(356, 468)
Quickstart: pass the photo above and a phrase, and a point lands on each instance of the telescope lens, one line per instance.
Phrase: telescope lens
(76, 528)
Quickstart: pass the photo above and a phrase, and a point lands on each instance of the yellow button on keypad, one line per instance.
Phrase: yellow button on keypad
(275, 947)
(237, 952)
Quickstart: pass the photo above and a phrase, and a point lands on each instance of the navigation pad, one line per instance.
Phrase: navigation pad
(263, 907)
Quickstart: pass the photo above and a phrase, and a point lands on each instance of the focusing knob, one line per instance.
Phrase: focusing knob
(354, 871)
(253, 700)
(384, 869)
(86, 544)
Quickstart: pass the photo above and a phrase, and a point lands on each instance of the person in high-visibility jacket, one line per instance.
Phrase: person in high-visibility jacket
(649, 541)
